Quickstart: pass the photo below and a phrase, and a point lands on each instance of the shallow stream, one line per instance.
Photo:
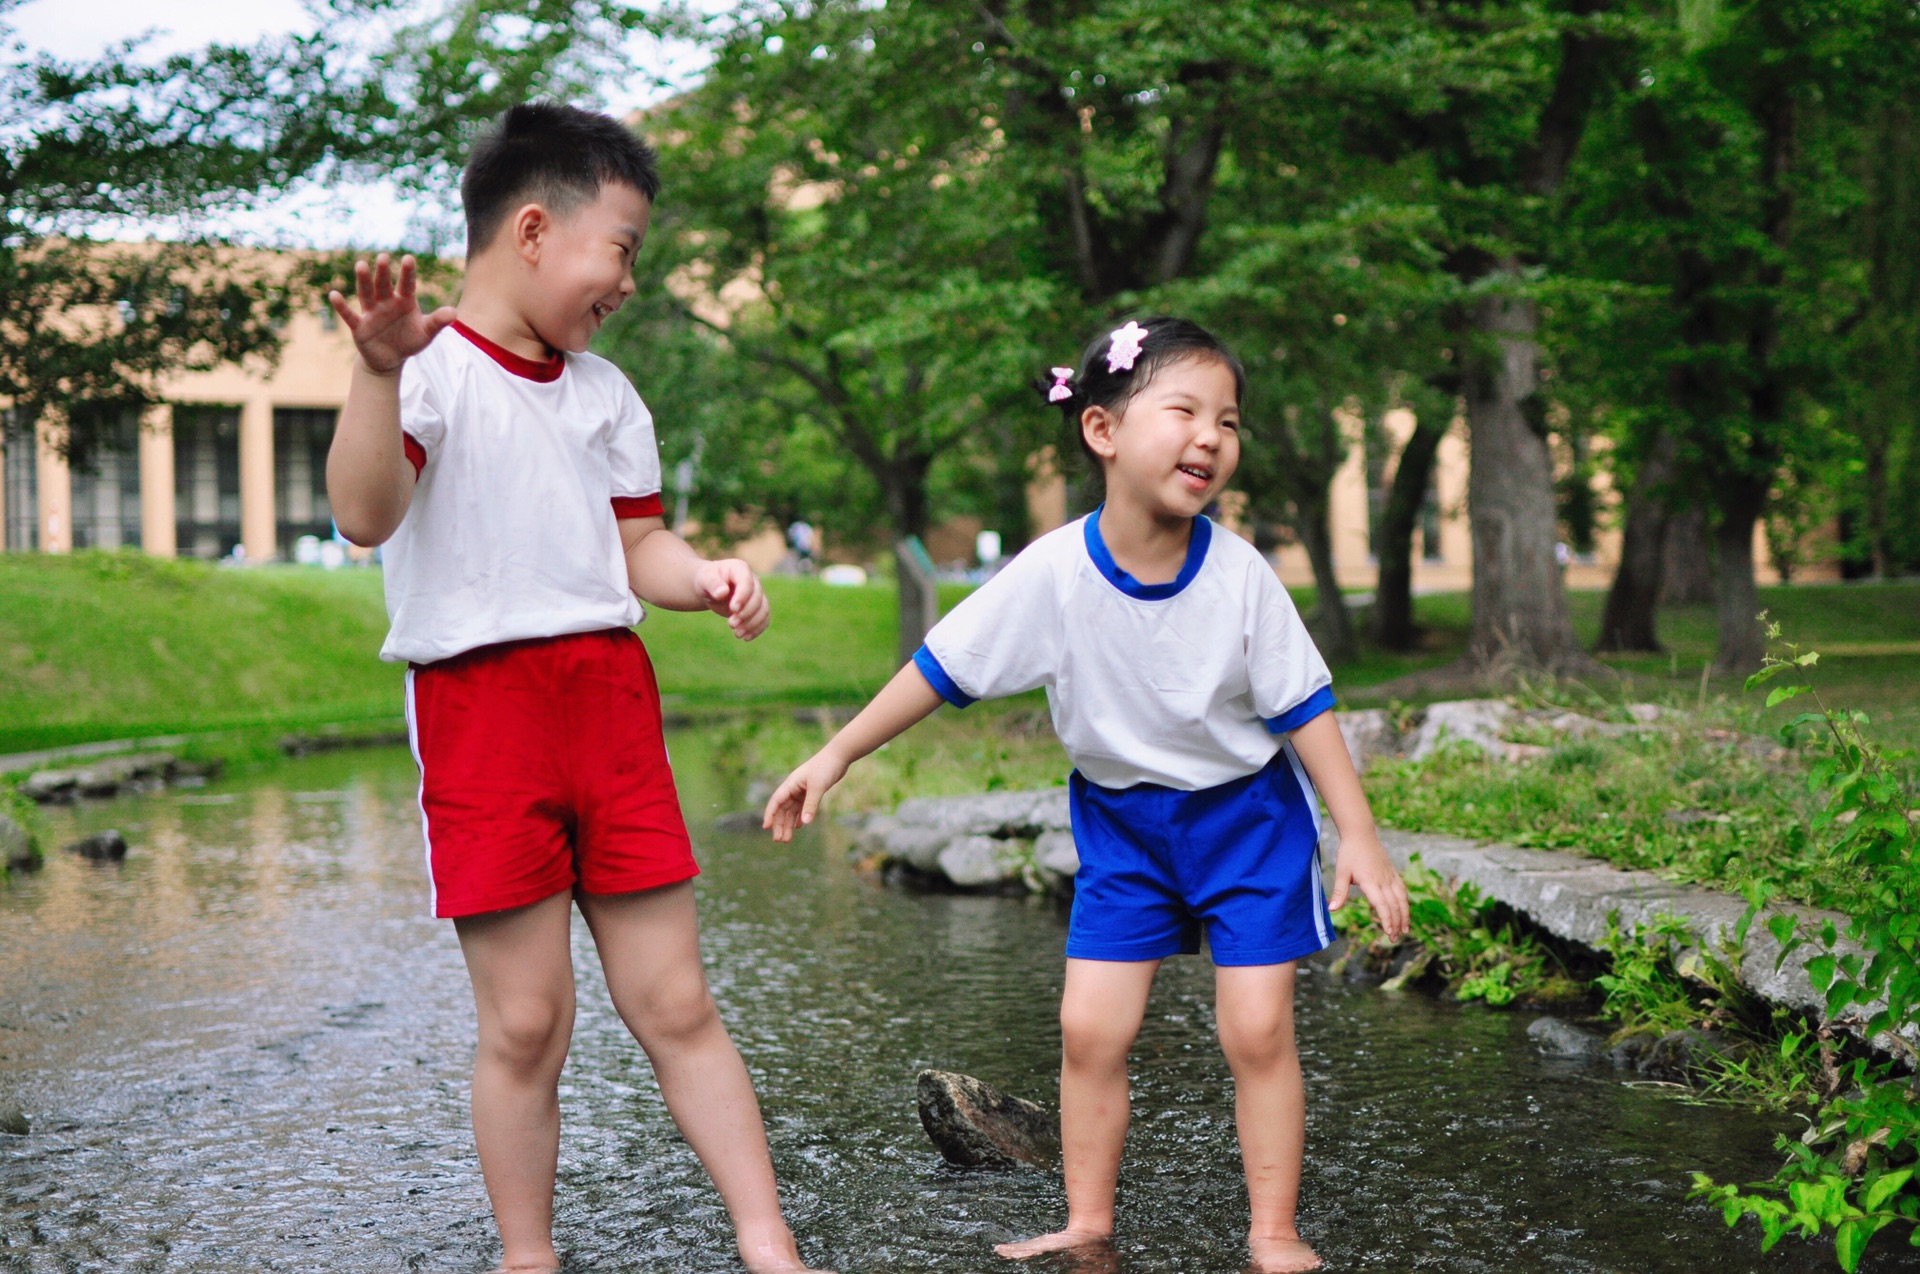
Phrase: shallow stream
(247, 1046)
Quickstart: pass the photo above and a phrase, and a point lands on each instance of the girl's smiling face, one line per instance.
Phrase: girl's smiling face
(1175, 444)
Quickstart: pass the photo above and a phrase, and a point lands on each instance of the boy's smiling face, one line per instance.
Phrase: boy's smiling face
(1174, 446)
(581, 264)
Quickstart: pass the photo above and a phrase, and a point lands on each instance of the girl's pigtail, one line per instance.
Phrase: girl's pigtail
(1060, 390)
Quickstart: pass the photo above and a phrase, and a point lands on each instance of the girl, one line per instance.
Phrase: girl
(1196, 711)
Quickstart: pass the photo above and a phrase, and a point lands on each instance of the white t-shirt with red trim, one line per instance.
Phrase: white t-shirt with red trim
(523, 468)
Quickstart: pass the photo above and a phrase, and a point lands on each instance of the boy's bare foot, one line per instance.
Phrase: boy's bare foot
(775, 1254)
(1282, 1256)
(1059, 1241)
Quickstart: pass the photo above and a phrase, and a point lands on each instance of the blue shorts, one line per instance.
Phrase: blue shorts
(1242, 858)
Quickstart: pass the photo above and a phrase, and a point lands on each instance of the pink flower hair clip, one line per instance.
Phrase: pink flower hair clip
(1061, 391)
(1124, 346)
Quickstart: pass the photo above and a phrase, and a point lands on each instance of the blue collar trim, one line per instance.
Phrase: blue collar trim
(1104, 563)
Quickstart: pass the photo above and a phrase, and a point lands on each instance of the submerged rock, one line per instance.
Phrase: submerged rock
(1557, 1037)
(13, 1120)
(974, 862)
(17, 847)
(975, 1125)
(107, 846)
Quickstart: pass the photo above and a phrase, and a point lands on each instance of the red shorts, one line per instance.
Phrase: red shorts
(542, 766)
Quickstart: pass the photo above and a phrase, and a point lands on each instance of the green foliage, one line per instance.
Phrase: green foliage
(1455, 939)
(1852, 1174)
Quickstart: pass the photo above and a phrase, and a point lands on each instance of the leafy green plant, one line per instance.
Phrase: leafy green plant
(1852, 1173)
(1454, 939)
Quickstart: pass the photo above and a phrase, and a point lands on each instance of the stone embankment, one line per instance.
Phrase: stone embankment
(1020, 842)
(114, 776)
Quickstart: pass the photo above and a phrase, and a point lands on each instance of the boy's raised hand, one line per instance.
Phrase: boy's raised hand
(794, 802)
(388, 328)
(730, 588)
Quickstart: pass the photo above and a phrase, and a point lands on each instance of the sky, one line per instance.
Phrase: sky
(371, 215)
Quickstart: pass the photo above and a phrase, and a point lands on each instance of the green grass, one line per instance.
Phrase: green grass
(108, 645)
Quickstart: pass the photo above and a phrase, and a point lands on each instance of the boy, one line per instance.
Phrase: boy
(515, 482)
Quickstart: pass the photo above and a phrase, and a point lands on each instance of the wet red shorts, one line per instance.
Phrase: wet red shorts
(542, 767)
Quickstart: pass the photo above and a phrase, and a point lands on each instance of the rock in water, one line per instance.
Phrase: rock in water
(1556, 1038)
(16, 845)
(108, 846)
(977, 1126)
(13, 1120)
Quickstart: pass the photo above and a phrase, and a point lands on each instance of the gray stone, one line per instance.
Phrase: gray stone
(1573, 896)
(990, 813)
(973, 862)
(1369, 734)
(100, 778)
(1557, 1037)
(17, 846)
(1679, 1055)
(975, 1125)
(1055, 852)
(738, 822)
(13, 1120)
(1475, 721)
(107, 846)
(1646, 713)
(918, 847)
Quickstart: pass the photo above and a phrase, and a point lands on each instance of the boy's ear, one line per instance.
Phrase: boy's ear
(528, 230)
(1097, 425)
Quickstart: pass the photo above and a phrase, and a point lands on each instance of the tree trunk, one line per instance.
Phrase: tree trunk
(1634, 600)
(1393, 625)
(1742, 640)
(1520, 615)
(1331, 624)
(904, 482)
(1687, 560)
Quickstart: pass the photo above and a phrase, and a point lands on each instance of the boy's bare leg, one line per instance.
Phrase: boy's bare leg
(1254, 1006)
(1100, 1013)
(650, 947)
(522, 971)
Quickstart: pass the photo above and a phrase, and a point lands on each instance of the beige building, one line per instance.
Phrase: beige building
(236, 459)
(231, 457)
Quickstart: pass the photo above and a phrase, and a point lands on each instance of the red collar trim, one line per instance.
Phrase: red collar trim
(518, 364)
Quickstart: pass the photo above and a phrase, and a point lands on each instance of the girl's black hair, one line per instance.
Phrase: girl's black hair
(1169, 340)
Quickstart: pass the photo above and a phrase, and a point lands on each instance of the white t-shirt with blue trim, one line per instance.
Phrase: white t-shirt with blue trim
(1187, 684)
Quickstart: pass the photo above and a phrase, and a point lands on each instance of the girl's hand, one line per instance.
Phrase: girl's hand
(1363, 862)
(732, 589)
(793, 803)
(388, 328)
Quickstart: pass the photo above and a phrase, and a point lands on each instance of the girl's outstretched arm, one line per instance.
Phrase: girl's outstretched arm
(1363, 860)
(907, 699)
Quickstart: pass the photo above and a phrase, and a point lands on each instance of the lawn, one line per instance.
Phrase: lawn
(109, 645)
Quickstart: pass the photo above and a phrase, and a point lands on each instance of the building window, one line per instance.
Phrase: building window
(206, 480)
(23, 484)
(106, 484)
(300, 441)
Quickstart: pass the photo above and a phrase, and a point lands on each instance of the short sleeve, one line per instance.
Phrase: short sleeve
(633, 455)
(1002, 640)
(1291, 684)
(423, 420)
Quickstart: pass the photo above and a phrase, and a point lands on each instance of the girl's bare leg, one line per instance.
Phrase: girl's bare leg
(1100, 1014)
(522, 971)
(1255, 1010)
(650, 947)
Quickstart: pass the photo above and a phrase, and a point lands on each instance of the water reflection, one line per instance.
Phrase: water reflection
(247, 1047)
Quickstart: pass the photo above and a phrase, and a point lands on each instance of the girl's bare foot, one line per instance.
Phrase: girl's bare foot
(1060, 1241)
(774, 1254)
(1282, 1256)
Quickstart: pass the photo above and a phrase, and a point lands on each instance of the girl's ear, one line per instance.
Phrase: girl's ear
(1097, 426)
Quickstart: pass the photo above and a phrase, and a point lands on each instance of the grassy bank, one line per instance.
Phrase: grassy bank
(107, 645)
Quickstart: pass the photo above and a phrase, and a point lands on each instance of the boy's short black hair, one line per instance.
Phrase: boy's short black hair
(552, 154)
(1169, 340)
